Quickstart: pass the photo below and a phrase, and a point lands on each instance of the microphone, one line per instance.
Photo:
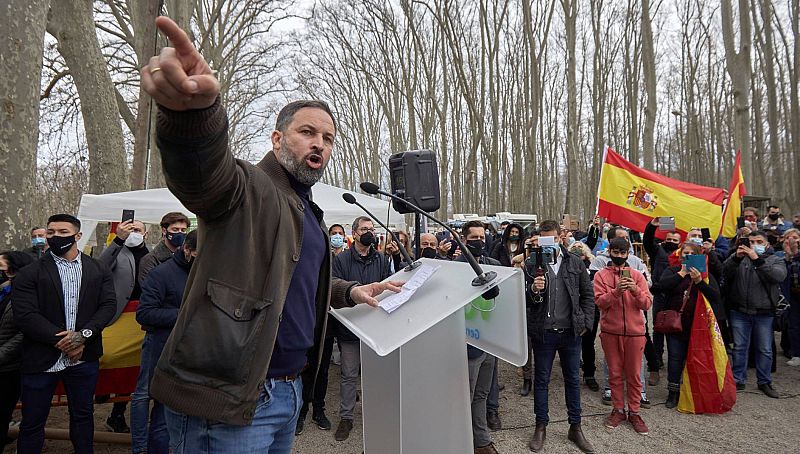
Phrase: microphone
(483, 277)
(349, 198)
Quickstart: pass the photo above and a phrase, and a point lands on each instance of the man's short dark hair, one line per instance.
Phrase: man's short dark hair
(760, 233)
(330, 229)
(504, 223)
(549, 226)
(619, 244)
(16, 260)
(612, 232)
(191, 240)
(471, 225)
(286, 115)
(65, 218)
(773, 207)
(173, 217)
(36, 227)
(358, 222)
(753, 209)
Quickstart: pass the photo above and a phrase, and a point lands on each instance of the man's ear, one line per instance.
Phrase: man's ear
(276, 140)
(78, 236)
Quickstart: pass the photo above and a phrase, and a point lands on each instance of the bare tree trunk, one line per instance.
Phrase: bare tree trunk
(72, 24)
(22, 27)
(740, 70)
(573, 168)
(649, 69)
(144, 13)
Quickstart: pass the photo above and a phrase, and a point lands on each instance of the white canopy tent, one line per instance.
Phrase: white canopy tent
(151, 204)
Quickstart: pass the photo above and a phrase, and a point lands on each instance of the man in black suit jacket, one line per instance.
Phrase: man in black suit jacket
(62, 302)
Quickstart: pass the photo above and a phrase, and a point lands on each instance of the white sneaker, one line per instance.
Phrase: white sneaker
(794, 362)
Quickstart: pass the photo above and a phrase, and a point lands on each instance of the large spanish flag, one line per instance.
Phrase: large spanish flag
(708, 385)
(631, 196)
(733, 209)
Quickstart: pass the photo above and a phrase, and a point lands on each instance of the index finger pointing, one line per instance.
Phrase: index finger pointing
(177, 37)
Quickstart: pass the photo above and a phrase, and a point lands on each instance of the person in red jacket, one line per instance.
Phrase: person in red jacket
(622, 294)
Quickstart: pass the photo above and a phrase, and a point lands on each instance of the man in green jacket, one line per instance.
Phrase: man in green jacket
(260, 288)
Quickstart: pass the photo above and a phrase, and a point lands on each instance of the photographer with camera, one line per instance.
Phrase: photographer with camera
(752, 275)
(560, 310)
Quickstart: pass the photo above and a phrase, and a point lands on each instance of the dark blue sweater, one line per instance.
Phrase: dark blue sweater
(162, 292)
(296, 329)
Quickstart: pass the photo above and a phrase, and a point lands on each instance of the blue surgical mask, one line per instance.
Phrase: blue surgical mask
(550, 250)
(337, 241)
(759, 249)
(695, 240)
(38, 241)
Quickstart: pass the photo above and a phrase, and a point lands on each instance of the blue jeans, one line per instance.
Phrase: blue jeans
(37, 393)
(794, 327)
(544, 353)
(271, 432)
(155, 439)
(758, 329)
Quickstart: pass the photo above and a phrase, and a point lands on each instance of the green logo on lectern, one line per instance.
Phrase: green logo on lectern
(479, 305)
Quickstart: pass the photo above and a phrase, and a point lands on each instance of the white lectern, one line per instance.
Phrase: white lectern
(414, 368)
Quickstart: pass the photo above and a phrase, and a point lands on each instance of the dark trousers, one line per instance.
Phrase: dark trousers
(676, 359)
(316, 392)
(493, 399)
(9, 396)
(568, 348)
(658, 338)
(587, 347)
(37, 394)
(794, 328)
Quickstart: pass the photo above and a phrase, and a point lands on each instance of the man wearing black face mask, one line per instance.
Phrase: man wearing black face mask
(362, 263)
(481, 365)
(659, 261)
(173, 230)
(62, 303)
(157, 312)
(428, 245)
(774, 221)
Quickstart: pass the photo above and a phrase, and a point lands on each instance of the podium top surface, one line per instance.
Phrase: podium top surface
(447, 291)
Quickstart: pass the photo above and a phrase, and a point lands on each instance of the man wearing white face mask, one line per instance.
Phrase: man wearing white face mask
(122, 257)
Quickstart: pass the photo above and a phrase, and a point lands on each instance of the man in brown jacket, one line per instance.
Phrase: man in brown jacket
(260, 288)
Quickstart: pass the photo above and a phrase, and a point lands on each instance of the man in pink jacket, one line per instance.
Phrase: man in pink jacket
(622, 294)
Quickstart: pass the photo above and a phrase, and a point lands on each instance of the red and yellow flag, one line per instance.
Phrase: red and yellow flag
(733, 209)
(708, 385)
(632, 196)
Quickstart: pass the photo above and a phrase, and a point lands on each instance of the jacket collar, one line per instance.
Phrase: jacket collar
(270, 165)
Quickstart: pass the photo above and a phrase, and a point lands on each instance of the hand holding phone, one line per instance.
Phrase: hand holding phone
(127, 215)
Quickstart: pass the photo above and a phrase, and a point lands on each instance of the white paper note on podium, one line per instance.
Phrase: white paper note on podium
(423, 274)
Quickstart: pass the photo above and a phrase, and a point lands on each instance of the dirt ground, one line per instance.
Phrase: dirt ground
(756, 424)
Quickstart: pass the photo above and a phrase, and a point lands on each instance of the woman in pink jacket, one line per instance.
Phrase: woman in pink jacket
(622, 294)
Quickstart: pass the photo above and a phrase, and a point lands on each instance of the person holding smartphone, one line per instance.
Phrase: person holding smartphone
(621, 294)
(681, 285)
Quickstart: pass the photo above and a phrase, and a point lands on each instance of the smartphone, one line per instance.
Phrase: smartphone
(127, 215)
(625, 272)
(547, 241)
(453, 247)
(666, 223)
(739, 222)
(744, 241)
(706, 234)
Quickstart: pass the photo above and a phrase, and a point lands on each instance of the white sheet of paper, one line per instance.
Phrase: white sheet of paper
(392, 302)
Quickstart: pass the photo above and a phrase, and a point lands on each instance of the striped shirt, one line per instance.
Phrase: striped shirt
(70, 272)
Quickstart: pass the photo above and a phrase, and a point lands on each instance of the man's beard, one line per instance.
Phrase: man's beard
(297, 167)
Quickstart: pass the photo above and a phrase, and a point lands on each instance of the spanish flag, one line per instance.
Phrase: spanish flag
(631, 196)
(708, 385)
(733, 209)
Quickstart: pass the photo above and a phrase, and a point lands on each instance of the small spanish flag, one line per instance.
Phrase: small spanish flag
(733, 209)
(632, 196)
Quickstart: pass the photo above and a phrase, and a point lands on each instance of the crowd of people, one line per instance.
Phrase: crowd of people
(239, 341)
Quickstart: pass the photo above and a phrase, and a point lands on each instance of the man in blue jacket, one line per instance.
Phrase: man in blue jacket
(162, 292)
